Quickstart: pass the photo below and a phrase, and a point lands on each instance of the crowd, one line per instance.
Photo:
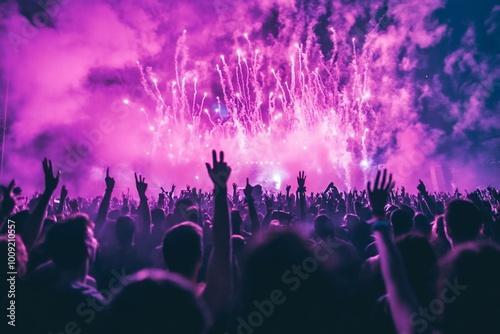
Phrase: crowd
(381, 260)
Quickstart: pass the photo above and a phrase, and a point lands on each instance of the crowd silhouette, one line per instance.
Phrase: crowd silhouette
(380, 260)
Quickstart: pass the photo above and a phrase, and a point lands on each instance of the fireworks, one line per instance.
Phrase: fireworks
(333, 88)
(268, 109)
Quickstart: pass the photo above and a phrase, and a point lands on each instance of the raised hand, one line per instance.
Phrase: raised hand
(379, 195)
(219, 171)
(474, 197)
(235, 193)
(110, 182)
(141, 185)
(288, 188)
(188, 187)
(51, 181)
(301, 181)
(62, 200)
(335, 190)
(8, 203)
(64, 193)
(421, 187)
(219, 270)
(124, 200)
(248, 191)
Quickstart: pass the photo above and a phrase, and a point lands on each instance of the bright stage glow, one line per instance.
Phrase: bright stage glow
(365, 164)
(277, 180)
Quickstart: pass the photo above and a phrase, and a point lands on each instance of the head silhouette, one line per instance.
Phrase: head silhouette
(124, 230)
(154, 301)
(158, 216)
(422, 225)
(183, 249)
(462, 221)
(193, 214)
(283, 268)
(401, 222)
(323, 227)
(71, 243)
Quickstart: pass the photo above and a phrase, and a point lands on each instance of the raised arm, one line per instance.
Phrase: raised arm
(34, 225)
(289, 202)
(102, 212)
(402, 300)
(269, 211)
(219, 281)
(349, 202)
(144, 213)
(62, 200)
(330, 186)
(428, 200)
(252, 211)
(171, 198)
(161, 198)
(301, 191)
(235, 194)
